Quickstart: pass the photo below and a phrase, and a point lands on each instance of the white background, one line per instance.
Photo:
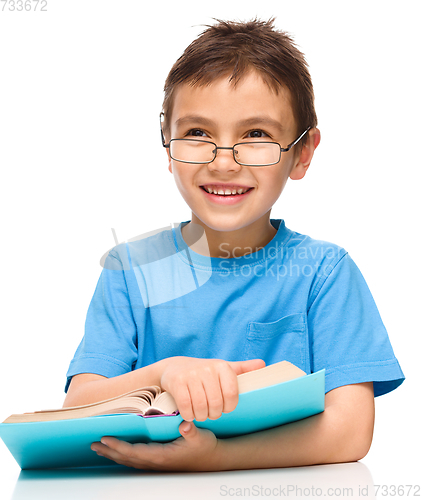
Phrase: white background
(80, 153)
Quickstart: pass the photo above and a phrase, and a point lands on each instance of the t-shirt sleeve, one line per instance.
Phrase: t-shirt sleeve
(109, 346)
(346, 333)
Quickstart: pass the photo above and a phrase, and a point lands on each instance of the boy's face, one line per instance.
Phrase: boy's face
(227, 115)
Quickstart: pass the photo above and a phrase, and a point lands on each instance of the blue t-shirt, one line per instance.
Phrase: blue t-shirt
(296, 299)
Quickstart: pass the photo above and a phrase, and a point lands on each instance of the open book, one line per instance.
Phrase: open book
(150, 401)
(268, 397)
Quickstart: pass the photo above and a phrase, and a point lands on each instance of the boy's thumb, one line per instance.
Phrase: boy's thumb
(188, 429)
(246, 366)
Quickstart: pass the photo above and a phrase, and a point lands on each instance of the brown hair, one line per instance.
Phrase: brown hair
(234, 48)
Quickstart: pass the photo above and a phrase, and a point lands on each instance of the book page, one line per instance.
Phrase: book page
(165, 403)
(269, 375)
(137, 401)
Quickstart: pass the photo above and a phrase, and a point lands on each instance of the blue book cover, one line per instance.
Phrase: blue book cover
(67, 443)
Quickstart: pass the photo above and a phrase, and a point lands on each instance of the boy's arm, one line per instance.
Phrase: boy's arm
(87, 388)
(342, 433)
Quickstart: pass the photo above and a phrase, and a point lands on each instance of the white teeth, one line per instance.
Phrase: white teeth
(226, 191)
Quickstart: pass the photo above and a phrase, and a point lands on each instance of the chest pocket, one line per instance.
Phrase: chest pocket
(284, 339)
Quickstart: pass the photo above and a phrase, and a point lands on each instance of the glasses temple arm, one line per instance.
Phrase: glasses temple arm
(162, 134)
(298, 139)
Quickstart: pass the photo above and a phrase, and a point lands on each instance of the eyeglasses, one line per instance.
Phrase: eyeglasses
(248, 154)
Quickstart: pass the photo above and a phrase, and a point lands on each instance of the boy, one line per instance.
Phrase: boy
(232, 290)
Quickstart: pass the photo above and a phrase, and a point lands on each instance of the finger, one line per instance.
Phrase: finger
(199, 400)
(118, 445)
(116, 450)
(139, 455)
(183, 401)
(196, 436)
(214, 396)
(188, 430)
(246, 366)
(229, 388)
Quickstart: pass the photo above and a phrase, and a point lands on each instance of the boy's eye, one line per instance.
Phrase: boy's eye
(257, 134)
(196, 132)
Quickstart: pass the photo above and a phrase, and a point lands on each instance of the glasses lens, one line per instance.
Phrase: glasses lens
(257, 153)
(191, 151)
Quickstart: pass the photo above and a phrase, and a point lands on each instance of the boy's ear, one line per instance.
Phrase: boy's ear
(304, 160)
(169, 167)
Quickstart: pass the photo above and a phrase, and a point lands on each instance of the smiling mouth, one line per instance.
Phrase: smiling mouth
(227, 191)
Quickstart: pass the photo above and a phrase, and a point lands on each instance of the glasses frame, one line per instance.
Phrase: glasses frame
(282, 150)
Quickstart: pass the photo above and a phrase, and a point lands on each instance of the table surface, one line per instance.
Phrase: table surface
(375, 474)
(111, 482)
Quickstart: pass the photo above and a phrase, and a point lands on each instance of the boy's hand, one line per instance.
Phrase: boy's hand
(204, 388)
(196, 450)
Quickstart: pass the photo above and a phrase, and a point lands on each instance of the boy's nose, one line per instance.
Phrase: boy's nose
(224, 162)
